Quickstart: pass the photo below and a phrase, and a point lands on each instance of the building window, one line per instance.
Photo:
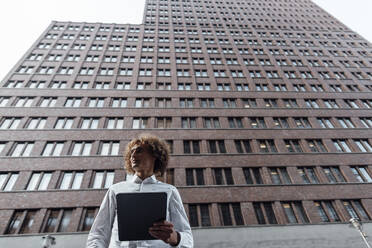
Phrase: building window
(366, 121)
(308, 175)
(257, 122)
(114, 123)
(325, 122)
(293, 145)
(267, 146)
(10, 122)
(39, 181)
(341, 145)
(21, 149)
(89, 122)
(73, 102)
(163, 102)
(21, 222)
(327, 211)
(216, 146)
(311, 103)
(102, 179)
(8, 180)
(191, 146)
(231, 214)
(80, 85)
(186, 102)
(271, 103)
(316, 145)
(223, 176)
(281, 122)
(142, 103)
(119, 102)
(199, 215)
(279, 175)
(355, 209)
(295, 212)
(235, 122)
(302, 122)
(252, 175)
(264, 213)
(163, 122)
(211, 122)
(64, 123)
(243, 146)
(81, 148)
(109, 148)
(47, 102)
(363, 145)
(95, 102)
(140, 122)
(57, 220)
(229, 102)
(35, 123)
(70, 180)
(87, 219)
(333, 174)
(362, 174)
(188, 122)
(194, 176)
(23, 101)
(207, 103)
(52, 148)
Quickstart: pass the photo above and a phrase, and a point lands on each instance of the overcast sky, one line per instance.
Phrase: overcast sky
(22, 21)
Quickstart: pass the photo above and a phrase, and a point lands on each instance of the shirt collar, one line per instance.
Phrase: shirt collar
(137, 180)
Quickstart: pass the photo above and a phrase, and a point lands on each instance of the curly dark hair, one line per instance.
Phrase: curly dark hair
(157, 147)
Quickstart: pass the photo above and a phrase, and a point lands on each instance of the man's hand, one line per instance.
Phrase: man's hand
(164, 230)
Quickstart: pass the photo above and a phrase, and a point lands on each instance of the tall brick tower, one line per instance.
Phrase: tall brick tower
(267, 106)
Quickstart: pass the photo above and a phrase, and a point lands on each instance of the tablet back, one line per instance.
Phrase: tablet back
(137, 212)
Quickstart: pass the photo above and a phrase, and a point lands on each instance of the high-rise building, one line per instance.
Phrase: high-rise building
(267, 106)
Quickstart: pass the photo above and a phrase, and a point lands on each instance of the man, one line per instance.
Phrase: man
(144, 157)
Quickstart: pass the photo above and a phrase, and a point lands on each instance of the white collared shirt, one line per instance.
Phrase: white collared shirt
(104, 231)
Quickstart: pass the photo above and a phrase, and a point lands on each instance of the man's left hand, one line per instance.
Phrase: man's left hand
(164, 230)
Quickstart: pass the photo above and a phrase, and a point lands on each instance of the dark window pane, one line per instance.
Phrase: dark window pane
(301, 212)
(88, 219)
(204, 211)
(238, 146)
(14, 223)
(291, 217)
(52, 221)
(237, 214)
(226, 216)
(28, 222)
(228, 176)
(65, 221)
(270, 213)
(322, 214)
(247, 175)
(212, 146)
(195, 146)
(189, 177)
(218, 176)
(247, 146)
(186, 147)
(259, 214)
(221, 146)
(193, 214)
(257, 175)
(199, 176)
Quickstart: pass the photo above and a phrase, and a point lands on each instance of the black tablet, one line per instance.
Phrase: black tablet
(136, 213)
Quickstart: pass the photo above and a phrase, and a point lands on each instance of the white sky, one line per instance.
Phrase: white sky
(23, 21)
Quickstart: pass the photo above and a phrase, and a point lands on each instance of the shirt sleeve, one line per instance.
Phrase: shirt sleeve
(179, 219)
(100, 233)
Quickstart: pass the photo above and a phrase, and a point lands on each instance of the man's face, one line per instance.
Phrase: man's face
(141, 159)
